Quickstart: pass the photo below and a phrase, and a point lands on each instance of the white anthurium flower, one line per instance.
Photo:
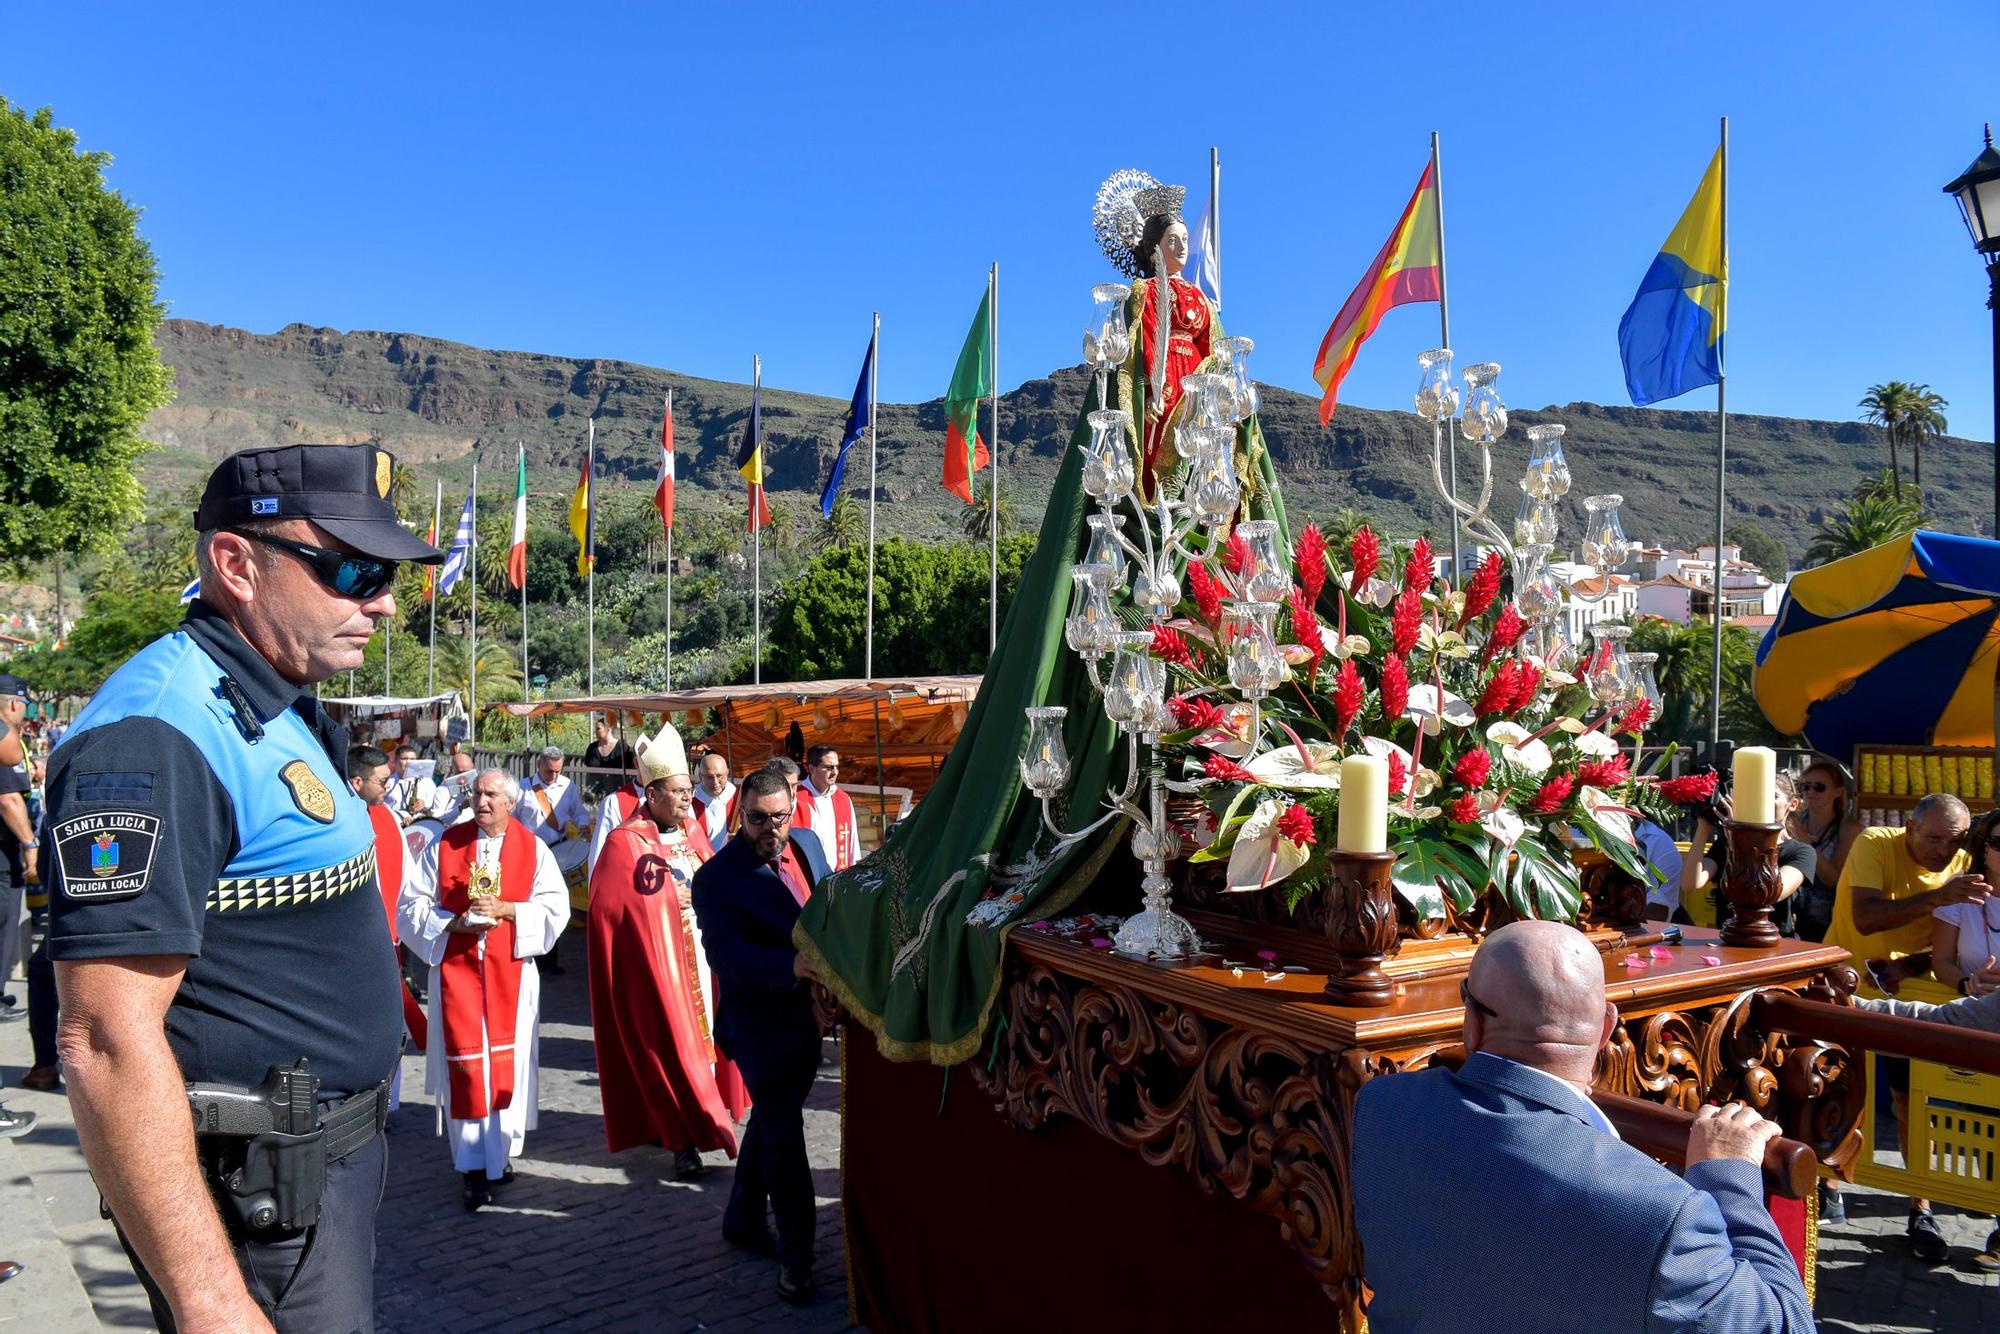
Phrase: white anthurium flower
(1204, 829)
(1556, 676)
(1343, 649)
(1608, 813)
(1232, 740)
(1262, 856)
(1428, 705)
(1295, 654)
(1518, 748)
(1596, 745)
(1445, 643)
(1426, 782)
(1378, 592)
(1427, 812)
(1503, 825)
(1573, 726)
(1317, 769)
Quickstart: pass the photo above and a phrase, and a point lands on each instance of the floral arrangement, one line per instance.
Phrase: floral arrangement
(1499, 762)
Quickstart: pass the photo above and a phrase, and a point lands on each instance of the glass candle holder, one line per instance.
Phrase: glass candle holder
(1485, 418)
(1209, 399)
(1648, 684)
(1107, 342)
(1604, 544)
(1213, 487)
(1107, 464)
(1548, 466)
(1251, 648)
(1192, 442)
(1536, 591)
(1269, 577)
(1044, 759)
(1536, 522)
(1133, 686)
(1437, 396)
(1102, 548)
(1235, 353)
(1092, 627)
(1609, 674)
(1156, 589)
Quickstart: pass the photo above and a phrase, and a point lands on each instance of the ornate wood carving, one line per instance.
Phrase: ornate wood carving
(1751, 885)
(1361, 926)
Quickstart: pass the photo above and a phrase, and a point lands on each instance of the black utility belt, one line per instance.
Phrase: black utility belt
(265, 1150)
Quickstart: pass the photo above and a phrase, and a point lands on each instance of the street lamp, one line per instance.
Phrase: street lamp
(1977, 190)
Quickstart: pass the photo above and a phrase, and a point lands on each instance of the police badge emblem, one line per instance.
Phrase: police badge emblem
(382, 477)
(308, 793)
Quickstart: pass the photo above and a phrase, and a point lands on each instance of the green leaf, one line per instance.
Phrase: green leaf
(1622, 854)
(1547, 882)
(1427, 868)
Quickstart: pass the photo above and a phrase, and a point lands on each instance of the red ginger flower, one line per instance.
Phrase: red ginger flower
(1604, 773)
(1634, 719)
(1498, 697)
(1506, 632)
(1527, 683)
(1473, 768)
(1465, 810)
(1296, 824)
(1236, 553)
(1399, 774)
(1347, 695)
(1404, 621)
(1309, 553)
(1482, 588)
(1688, 789)
(1305, 628)
(1196, 713)
(1225, 770)
(1420, 569)
(1202, 588)
(1168, 646)
(1364, 557)
(1395, 689)
(1552, 794)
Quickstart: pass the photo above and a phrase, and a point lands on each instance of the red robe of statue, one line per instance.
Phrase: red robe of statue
(1187, 348)
(656, 1059)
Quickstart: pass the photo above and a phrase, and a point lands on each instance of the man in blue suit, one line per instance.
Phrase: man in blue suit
(1499, 1198)
(747, 898)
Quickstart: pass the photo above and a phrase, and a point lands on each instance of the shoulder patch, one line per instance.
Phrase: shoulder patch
(308, 793)
(106, 854)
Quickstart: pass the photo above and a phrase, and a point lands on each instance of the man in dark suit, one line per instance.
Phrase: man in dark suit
(747, 898)
(1545, 1220)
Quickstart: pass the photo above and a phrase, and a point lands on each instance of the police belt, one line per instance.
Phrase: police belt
(265, 1150)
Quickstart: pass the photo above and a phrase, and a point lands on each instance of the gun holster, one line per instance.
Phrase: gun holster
(263, 1149)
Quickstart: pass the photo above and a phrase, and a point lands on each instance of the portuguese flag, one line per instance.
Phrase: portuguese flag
(972, 380)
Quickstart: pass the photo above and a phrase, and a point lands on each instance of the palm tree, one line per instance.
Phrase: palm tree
(1870, 517)
(847, 526)
(1908, 414)
(973, 521)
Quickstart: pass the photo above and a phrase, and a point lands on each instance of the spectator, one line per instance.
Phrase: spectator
(1795, 860)
(1965, 937)
(1822, 819)
(609, 752)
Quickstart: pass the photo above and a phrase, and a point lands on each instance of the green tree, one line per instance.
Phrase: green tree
(1908, 414)
(845, 527)
(125, 611)
(1760, 548)
(1879, 511)
(973, 521)
(78, 370)
(1685, 672)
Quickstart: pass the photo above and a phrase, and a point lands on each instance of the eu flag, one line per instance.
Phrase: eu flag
(1671, 337)
(858, 420)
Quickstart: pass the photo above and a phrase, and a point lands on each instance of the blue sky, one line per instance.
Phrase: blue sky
(686, 188)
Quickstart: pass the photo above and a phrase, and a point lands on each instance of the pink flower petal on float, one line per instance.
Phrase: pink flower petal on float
(1099, 943)
(1268, 956)
(1710, 961)
(1634, 961)
(1661, 952)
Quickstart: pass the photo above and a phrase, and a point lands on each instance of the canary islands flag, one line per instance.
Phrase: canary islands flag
(1671, 336)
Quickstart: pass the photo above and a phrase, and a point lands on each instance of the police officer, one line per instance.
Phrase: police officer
(214, 913)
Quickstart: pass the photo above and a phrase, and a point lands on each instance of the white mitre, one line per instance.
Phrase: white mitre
(662, 757)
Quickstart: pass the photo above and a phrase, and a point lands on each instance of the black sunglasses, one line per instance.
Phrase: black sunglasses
(1993, 841)
(1466, 997)
(1815, 787)
(359, 577)
(767, 817)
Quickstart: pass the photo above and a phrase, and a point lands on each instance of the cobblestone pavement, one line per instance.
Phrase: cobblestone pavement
(585, 1240)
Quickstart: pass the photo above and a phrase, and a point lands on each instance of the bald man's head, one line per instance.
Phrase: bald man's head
(1544, 985)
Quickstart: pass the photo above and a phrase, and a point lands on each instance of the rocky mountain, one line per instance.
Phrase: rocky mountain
(434, 403)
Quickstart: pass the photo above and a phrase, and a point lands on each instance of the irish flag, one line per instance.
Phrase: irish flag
(1407, 269)
(972, 380)
(663, 494)
(517, 552)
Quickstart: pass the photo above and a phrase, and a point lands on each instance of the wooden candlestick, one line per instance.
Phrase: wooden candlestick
(1361, 926)
(1751, 885)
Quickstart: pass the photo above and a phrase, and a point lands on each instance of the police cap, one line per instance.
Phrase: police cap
(13, 685)
(342, 488)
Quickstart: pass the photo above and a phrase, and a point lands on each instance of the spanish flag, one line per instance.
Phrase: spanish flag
(750, 458)
(583, 517)
(1671, 337)
(1407, 269)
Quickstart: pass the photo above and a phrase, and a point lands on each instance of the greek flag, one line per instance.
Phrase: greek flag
(192, 591)
(461, 551)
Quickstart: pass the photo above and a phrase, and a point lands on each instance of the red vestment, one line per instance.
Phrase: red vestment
(656, 1061)
(1187, 348)
(480, 977)
(389, 850)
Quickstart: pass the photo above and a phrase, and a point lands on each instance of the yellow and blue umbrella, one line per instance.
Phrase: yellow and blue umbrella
(1893, 646)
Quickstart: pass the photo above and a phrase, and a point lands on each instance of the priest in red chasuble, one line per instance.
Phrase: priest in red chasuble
(827, 811)
(650, 993)
(485, 901)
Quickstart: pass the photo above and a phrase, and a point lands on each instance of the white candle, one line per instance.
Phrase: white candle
(1755, 787)
(1364, 804)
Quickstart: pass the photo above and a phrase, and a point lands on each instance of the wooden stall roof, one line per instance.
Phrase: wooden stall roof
(911, 722)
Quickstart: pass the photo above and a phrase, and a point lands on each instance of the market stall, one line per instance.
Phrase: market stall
(424, 721)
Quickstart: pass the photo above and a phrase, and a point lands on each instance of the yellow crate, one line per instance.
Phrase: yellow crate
(1955, 1135)
(1986, 777)
(1950, 767)
(1933, 773)
(1868, 780)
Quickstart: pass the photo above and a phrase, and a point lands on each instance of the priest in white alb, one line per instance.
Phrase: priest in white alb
(552, 808)
(827, 811)
(485, 901)
(715, 798)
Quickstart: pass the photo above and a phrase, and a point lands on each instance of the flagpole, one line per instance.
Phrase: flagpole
(1444, 340)
(1215, 218)
(993, 505)
(669, 575)
(1721, 454)
(437, 517)
(472, 681)
(874, 374)
(590, 569)
(756, 535)
(521, 465)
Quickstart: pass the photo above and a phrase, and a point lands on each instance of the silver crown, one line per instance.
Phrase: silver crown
(1116, 218)
(1161, 201)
